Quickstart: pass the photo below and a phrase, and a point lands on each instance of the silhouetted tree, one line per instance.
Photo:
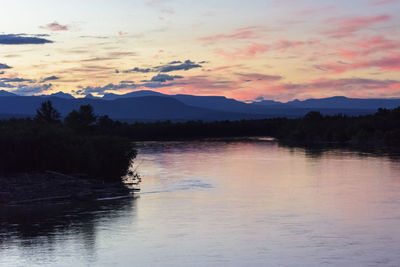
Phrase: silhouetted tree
(47, 113)
(314, 116)
(104, 122)
(81, 120)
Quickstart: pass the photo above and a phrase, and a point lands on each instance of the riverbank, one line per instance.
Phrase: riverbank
(51, 187)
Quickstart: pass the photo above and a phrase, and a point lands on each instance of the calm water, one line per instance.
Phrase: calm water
(226, 204)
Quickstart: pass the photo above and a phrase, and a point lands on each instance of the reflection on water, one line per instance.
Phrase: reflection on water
(39, 234)
(240, 203)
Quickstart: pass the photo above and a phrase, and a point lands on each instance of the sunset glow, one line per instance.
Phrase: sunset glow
(269, 49)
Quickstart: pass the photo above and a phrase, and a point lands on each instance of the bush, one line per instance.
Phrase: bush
(27, 145)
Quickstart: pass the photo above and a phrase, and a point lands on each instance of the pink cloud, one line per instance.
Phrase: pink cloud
(254, 49)
(383, 2)
(387, 63)
(377, 44)
(348, 53)
(345, 27)
(283, 45)
(244, 53)
(242, 33)
(55, 27)
(368, 46)
(390, 63)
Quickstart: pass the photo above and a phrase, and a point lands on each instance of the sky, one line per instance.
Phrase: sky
(247, 50)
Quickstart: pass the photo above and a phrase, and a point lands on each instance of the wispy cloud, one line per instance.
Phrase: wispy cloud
(23, 89)
(170, 67)
(343, 84)
(241, 33)
(123, 86)
(50, 78)
(345, 27)
(259, 77)
(165, 77)
(102, 89)
(16, 80)
(55, 26)
(6, 85)
(390, 63)
(187, 65)
(369, 45)
(203, 84)
(136, 69)
(244, 53)
(383, 2)
(254, 49)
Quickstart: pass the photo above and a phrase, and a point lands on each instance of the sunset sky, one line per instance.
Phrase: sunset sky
(269, 49)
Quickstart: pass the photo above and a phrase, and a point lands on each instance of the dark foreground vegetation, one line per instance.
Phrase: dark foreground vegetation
(101, 148)
(45, 143)
(380, 129)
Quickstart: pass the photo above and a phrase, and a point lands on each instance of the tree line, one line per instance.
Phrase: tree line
(379, 129)
(101, 147)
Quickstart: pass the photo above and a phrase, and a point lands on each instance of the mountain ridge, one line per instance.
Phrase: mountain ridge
(151, 105)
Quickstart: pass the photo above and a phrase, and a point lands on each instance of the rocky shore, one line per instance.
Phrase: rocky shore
(51, 187)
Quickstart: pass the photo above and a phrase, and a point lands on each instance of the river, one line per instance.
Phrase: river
(226, 203)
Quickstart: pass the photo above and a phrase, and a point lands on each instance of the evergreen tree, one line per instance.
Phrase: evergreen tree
(47, 113)
(81, 120)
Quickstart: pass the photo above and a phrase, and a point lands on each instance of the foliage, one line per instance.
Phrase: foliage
(30, 145)
(380, 129)
(47, 114)
(81, 120)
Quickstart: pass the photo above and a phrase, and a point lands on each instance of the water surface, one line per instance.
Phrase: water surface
(241, 203)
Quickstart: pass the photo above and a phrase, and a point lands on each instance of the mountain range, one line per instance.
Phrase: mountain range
(148, 105)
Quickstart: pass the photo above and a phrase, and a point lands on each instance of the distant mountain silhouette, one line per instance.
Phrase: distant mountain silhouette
(110, 96)
(341, 102)
(151, 106)
(220, 103)
(271, 103)
(5, 93)
(327, 105)
(60, 95)
(90, 96)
